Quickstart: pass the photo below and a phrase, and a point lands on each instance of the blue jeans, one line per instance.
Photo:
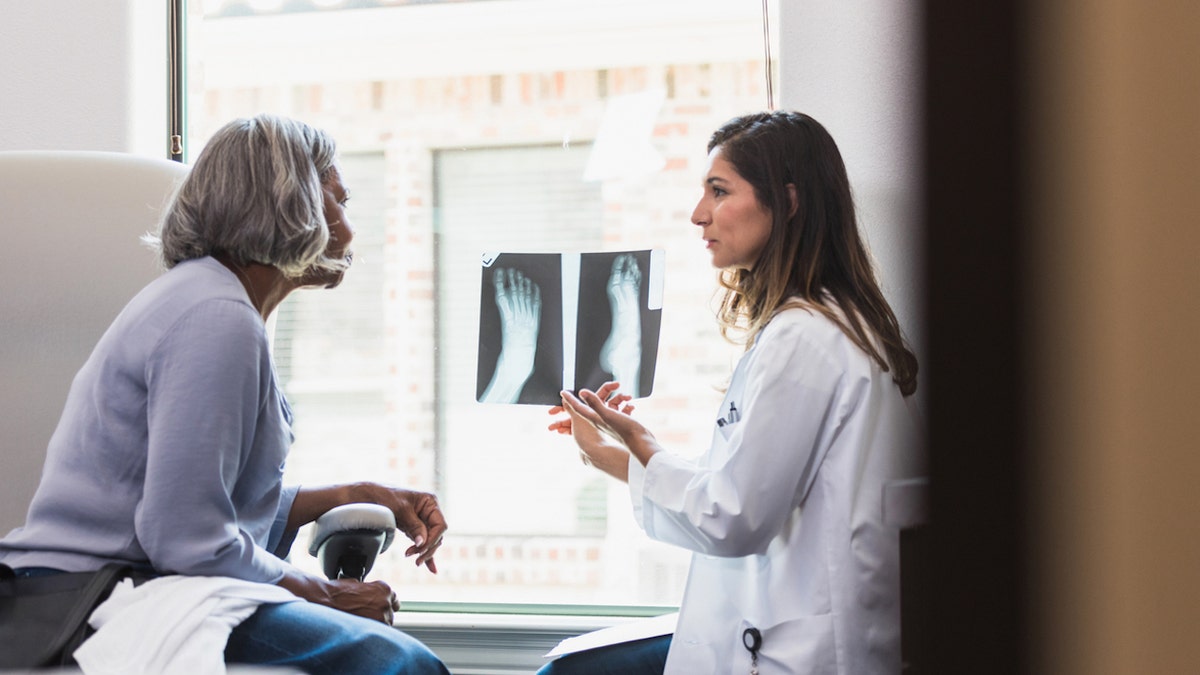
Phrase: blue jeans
(27, 572)
(322, 641)
(643, 657)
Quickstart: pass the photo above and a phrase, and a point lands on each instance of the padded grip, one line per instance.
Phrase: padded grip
(353, 517)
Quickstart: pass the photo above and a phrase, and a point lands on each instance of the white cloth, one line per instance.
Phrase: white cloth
(784, 511)
(170, 625)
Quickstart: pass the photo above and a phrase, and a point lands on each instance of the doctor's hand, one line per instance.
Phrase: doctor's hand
(619, 424)
(598, 446)
(608, 392)
(606, 434)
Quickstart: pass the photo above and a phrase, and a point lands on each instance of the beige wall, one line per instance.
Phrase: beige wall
(1116, 138)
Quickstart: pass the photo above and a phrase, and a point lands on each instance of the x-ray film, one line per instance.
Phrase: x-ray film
(554, 321)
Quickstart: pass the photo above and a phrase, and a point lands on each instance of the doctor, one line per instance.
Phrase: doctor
(793, 570)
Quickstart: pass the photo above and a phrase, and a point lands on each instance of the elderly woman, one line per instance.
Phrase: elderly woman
(170, 451)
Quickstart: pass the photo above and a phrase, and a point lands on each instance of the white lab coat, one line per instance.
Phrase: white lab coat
(784, 511)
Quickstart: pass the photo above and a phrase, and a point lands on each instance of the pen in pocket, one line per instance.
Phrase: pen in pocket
(732, 418)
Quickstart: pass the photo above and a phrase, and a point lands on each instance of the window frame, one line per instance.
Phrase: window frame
(520, 628)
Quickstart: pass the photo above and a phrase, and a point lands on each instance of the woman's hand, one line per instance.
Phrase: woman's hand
(372, 600)
(417, 516)
(606, 392)
(417, 513)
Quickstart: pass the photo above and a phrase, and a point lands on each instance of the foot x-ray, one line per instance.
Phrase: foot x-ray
(553, 321)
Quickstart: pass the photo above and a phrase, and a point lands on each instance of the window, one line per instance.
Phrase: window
(468, 127)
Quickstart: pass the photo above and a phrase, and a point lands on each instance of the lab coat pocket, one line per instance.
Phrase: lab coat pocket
(726, 430)
(801, 645)
(729, 416)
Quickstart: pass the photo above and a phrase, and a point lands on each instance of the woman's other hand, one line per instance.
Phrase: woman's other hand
(371, 599)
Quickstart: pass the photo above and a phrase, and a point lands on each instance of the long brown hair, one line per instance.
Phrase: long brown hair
(814, 257)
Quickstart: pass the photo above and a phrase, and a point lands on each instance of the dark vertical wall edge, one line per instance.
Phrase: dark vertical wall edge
(976, 369)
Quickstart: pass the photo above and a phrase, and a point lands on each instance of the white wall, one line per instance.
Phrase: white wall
(853, 67)
(76, 76)
(83, 76)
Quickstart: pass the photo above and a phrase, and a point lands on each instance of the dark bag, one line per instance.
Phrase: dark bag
(44, 619)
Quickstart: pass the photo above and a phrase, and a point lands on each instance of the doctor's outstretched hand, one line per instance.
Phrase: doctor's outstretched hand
(602, 427)
(608, 393)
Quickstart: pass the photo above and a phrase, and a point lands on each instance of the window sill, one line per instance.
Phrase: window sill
(494, 643)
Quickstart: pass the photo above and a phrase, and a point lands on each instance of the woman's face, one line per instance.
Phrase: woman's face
(341, 233)
(735, 224)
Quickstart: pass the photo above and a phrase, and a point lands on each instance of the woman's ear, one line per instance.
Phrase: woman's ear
(793, 199)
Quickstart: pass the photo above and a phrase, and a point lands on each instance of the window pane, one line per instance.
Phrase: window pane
(522, 199)
(490, 126)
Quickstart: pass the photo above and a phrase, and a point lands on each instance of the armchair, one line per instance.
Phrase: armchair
(72, 222)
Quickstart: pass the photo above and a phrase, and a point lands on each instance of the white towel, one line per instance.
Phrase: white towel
(169, 625)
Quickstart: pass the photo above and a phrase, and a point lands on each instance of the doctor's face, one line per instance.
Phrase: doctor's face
(734, 224)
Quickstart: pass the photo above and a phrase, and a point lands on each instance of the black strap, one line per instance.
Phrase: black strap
(96, 591)
(6, 572)
(65, 634)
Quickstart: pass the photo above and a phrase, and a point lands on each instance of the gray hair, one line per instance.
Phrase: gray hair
(254, 194)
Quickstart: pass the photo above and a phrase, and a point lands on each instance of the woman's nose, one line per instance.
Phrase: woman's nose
(341, 232)
(700, 214)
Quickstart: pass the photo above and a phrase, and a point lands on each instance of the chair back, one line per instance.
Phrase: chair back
(71, 222)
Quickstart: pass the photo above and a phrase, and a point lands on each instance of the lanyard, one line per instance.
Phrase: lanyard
(752, 641)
